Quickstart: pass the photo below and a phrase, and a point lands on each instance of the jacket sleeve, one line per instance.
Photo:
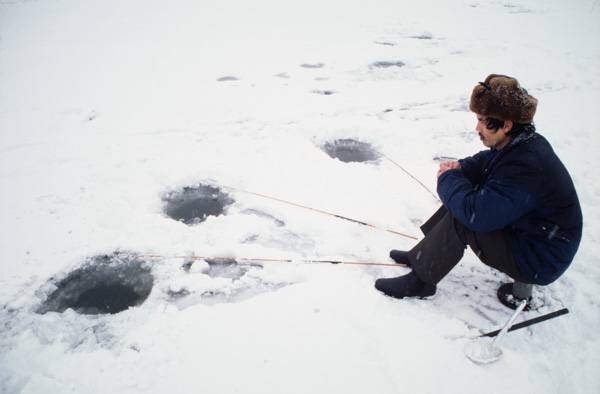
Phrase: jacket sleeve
(471, 167)
(507, 194)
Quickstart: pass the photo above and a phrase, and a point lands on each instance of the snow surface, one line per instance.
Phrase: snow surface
(107, 106)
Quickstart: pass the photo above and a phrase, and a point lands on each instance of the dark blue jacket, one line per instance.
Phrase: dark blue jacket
(525, 189)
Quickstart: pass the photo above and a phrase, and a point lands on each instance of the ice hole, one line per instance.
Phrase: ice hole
(193, 205)
(224, 268)
(235, 283)
(442, 159)
(424, 36)
(228, 78)
(324, 92)
(316, 65)
(386, 64)
(105, 284)
(348, 150)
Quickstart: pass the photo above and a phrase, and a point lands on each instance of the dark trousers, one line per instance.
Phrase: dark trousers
(444, 246)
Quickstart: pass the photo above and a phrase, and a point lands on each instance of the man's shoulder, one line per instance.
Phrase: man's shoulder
(536, 141)
(531, 147)
(538, 156)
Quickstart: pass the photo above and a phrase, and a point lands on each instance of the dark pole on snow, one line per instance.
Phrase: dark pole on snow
(530, 322)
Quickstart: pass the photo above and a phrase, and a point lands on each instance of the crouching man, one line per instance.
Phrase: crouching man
(514, 204)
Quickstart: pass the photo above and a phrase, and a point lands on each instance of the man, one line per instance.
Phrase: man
(514, 204)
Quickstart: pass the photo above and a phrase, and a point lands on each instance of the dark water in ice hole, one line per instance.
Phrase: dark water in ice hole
(348, 150)
(105, 284)
(193, 205)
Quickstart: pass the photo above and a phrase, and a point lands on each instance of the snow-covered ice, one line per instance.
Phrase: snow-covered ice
(106, 107)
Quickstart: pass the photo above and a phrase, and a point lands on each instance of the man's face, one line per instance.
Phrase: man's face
(490, 137)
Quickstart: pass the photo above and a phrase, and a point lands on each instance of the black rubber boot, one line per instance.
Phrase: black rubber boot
(511, 294)
(400, 257)
(406, 286)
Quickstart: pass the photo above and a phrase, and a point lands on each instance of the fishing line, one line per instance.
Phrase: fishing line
(265, 260)
(317, 210)
(410, 175)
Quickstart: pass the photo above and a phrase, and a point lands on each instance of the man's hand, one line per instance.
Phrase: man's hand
(448, 165)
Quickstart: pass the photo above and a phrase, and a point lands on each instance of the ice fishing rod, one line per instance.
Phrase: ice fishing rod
(530, 322)
(317, 210)
(410, 175)
(141, 256)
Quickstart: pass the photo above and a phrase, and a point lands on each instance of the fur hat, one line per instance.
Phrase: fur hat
(501, 97)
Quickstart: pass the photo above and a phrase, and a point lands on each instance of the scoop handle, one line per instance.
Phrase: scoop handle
(510, 322)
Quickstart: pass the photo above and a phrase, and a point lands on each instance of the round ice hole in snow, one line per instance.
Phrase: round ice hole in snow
(348, 150)
(193, 205)
(105, 284)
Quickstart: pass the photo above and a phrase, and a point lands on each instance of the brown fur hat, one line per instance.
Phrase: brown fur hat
(501, 97)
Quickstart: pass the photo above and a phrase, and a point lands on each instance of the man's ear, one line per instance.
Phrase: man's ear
(508, 125)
